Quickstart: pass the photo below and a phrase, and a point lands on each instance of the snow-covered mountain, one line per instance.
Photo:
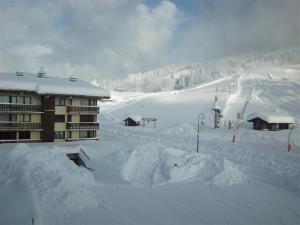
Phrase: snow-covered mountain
(182, 76)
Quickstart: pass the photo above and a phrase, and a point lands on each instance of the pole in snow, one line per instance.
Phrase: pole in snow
(289, 140)
(235, 132)
(202, 119)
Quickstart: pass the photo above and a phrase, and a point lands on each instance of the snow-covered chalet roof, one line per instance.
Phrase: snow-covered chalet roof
(50, 85)
(134, 117)
(271, 118)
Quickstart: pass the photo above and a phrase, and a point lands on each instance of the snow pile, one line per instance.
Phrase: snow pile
(146, 165)
(62, 187)
(230, 175)
(154, 164)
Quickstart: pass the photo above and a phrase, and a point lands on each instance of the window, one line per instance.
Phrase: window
(69, 118)
(8, 99)
(8, 117)
(84, 101)
(13, 99)
(87, 118)
(88, 102)
(87, 134)
(60, 118)
(83, 134)
(25, 118)
(7, 135)
(13, 117)
(25, 100)
(69, 101)
(92, 102)
(60, 101)
(69, 134)
(59, 135)
(24, 135)
(4, 99)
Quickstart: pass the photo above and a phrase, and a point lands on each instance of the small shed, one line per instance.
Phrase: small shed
(132, 120)
(270, 121)
(148, 120)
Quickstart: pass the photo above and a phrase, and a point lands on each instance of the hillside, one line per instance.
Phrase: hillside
(182, 76)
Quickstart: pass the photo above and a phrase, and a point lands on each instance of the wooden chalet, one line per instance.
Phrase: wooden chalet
(132, 120)
(270, 122)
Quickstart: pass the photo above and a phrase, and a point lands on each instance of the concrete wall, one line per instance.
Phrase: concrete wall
(35, 135)
(59, 126)
(60, 110)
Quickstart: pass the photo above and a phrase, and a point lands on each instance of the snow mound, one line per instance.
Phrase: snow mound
(155, 164)
(146, 165)
(230, 175)
(62, 187)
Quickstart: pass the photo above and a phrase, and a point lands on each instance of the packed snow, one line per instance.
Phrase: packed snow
(146, 175)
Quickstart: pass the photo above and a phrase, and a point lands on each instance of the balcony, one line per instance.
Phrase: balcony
(82, 126)
(82, 109)
(20, 108)
(20, 126)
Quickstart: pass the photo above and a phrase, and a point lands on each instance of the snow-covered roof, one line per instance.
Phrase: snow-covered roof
(134, 117)
(50, 85)
(271, 118)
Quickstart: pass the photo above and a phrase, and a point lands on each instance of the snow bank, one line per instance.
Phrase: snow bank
(62, 187)
(154, 164)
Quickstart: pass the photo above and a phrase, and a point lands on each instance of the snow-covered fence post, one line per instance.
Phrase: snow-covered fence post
(202, 123)
(32, 221)
(235, 132)
(289, 140)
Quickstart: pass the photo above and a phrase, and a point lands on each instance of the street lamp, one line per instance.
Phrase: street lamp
(202, 120)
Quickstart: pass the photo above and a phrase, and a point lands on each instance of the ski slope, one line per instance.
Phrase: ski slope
(146, 175)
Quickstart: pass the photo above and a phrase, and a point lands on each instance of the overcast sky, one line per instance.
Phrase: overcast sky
(111, 38)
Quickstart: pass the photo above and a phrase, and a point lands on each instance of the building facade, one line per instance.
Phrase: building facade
(63, 114)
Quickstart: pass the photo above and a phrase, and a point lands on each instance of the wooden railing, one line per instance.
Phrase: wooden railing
(19, 108)
(82, 126)
(20, 126)
(83, 109)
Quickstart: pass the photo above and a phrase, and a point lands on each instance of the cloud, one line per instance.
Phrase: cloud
(111, 38)
(108, 37)
(224, 28)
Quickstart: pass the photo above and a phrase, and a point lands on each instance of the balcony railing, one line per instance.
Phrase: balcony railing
(82, 126)
(83, 109)
(20, 108)
(20, 126)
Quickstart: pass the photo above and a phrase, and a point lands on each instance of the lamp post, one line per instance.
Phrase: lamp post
(202, 119)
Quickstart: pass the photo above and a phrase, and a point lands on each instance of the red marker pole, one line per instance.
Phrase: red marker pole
(233, 139)
(289, 141)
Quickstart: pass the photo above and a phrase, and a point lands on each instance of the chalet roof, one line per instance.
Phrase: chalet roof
(134, 117)
(50, 85)
(149, 119)
(271, 118)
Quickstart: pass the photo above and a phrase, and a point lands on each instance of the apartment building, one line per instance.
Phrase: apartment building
(36, 108)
